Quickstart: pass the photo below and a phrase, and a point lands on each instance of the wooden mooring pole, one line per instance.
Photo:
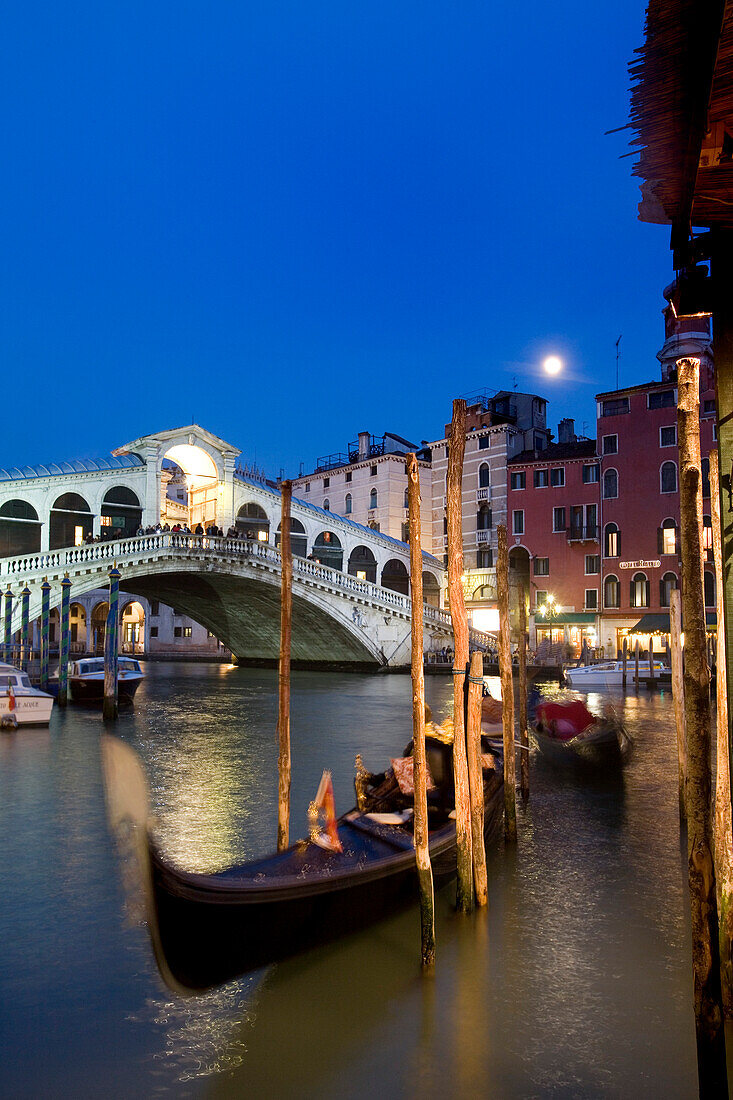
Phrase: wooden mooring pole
(25, 627)
(459, 619)
(523, 731)
(45, 631)
(678, 693)
(624, 659)
(111, 647)
(420, 819)
(8, 640)
(64, 642)
(636, 665)
(723, 839)
(283, 716)
(507, 687)
(711, 1066)
(475, 778)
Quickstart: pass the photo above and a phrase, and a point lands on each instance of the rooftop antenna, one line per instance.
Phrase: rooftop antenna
(515, 382)
(617, 355)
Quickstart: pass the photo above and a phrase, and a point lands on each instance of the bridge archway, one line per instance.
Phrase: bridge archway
(298, 538)
(362, 564)
(253, 522)
(99, 621)
(121, 512)
(71, 520)
(327, 550)
(20, 528)
(395, 576)
(430, 589)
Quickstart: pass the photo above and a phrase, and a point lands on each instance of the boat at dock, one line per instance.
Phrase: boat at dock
(86, 680)
(567, 732)
(209, 928)
(608, 675)
(21, 704)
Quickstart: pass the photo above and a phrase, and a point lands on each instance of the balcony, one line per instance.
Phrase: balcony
(330, 462)
(483, 494)
(483, 536)
(583, 532)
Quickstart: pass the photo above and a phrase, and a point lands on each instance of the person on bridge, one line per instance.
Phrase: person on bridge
(198, 529)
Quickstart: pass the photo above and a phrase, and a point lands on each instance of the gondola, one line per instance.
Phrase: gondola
(569, 732)
(209, 928)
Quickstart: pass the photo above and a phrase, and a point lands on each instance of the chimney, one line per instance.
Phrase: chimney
(566, 431)
(363, 444)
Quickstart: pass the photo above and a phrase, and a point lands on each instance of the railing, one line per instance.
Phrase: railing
(127, 551)
(484, 493)
(483, 535)
(583, 533)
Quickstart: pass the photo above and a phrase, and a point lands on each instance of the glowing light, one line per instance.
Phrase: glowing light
(552, 364)
(262, 536)
(485, 619)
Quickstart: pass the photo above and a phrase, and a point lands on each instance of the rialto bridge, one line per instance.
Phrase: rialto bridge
(350, 583)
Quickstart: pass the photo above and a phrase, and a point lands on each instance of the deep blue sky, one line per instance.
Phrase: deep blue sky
(295, 221)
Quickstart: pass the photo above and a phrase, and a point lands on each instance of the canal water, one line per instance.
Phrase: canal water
(576, 983)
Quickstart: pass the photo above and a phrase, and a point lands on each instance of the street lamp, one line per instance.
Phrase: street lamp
(548, 611)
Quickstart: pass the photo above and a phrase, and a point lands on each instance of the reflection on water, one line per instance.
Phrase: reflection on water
(576, 983)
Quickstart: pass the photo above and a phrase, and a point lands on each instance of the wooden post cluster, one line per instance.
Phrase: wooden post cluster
(723, 844)
(420, 819)
(475, 778)
(678, 693)
(507, 687)
(523, 731)
(701, 871)
(283, 716)
(459, 619)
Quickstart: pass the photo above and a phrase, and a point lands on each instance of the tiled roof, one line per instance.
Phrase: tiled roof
(556, 452)
(77, 466)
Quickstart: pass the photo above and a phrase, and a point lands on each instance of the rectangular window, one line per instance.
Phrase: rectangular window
(177, 631)
(485, 559)
(669, 540)
(557, 477)
(668, 436)
(326, 482)
(558, 519)
(405, 532)
(519, 480)
(616, 407)
(154, 608)
(372, 471)
(541, 567)
(590, 473)
(661, 399)
(348, 476)
(540, 598)
(591, 599)
(592, 563)
(610, 444)
(187, 632)
(541, 479)
(307, 486)
(540, 442)
(518, 523)
(483, 443)
(153, 632)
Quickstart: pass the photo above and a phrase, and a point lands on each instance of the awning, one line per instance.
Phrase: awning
(566, 618)
(659, 624)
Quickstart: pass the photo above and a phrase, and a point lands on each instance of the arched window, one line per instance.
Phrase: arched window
(70, 521)
(395, 576)
(298, 540)
(709, 588)
(252, 522)
(611, 539)
(705, 471)
(373, 499)
(121, 512)
(484, 474)
(327, 550)
(611, 591)
(667, 538)
(430, 589)
(362, 564)
(707, 535)
(406, 500)
(666, 586)
(668, 477)
(20, 529)
(327, 505)
(639, 595)
(610, 484)
(483, 518)
(347, 505)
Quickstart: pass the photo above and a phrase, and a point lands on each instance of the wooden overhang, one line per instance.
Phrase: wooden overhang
(682, 111)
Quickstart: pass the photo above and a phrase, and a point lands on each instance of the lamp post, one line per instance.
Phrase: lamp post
(548, 611)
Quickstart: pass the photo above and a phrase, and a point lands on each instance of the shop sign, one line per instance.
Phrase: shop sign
(640, 564)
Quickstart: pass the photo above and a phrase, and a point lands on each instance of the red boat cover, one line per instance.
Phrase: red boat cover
(565, 720)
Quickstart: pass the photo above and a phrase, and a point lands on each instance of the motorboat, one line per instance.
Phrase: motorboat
(21, 704)
(570, 732)
(608, 675)
(206, 929)
(86, 679)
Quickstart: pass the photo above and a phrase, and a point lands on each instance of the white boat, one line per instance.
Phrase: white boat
(20, 702)
(608, 675)
(86, 679)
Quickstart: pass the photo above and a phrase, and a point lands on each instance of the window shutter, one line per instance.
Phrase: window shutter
(660, 540)
(676, 540)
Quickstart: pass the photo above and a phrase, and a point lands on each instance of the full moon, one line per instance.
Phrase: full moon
(552, 364)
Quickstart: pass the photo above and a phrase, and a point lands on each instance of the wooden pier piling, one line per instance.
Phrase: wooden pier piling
(420, 819)
(678, 694)
(523, 731)
(723, 834)
(624, 660)
(8, 633)
(45, 631)
(286, 623)
(25, 627)
(507, 687)
(636, 665)
(701, 869)
(111, 647)
(475, 778)
(459, 619)
(64, 642)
